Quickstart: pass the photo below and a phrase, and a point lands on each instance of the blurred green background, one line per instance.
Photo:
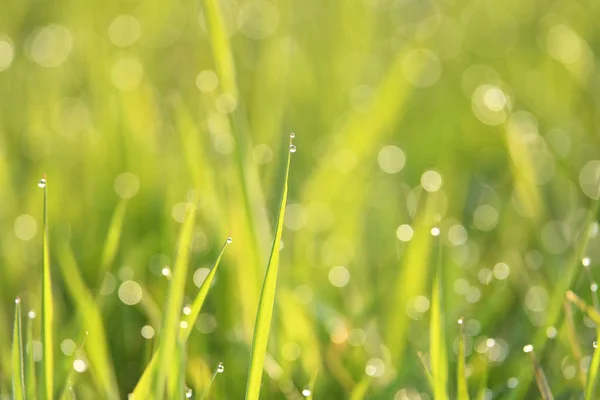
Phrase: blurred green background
(480, 117)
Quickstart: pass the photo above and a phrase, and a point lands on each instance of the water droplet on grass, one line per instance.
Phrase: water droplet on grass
(220, 368)
(229, 239)
(595, 344)
(292, 135)
(292, 148)
(306, 392)
(42, 183)
(528, 348)
(188, 393)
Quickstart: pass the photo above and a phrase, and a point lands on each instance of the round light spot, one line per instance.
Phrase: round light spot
(457, 235)
(258, 19)
(431, 181)
(490, 104)
(375, 367)
(556, 237)
(339, 276)
(295, 217)
(589, 179)
(124, 30)
(262, 154)
(421, 304)
(7, 52)
(79, 365)
(563, 44)
(51, 45)
(422, 68)
(207, 81)
(109, 283)
(147, 332)
(206, 323)
(226, 103)
(291, 351)
(501, 271)
(130, 293)
(485, 218)
(68, 347)
(126, 185)
(357, 337)
(200, 276)
(494, 99)
(126, 74)
(25, 227)
(303, 294)
(404, 233)
(551, 332)
(536, 299)
(391, 159)
(512, 382)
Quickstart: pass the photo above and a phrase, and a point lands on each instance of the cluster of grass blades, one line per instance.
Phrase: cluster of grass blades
(166, 371)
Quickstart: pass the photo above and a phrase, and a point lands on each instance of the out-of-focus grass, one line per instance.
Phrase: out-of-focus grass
(476, 117)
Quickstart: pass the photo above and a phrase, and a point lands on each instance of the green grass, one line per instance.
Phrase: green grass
(136, 109)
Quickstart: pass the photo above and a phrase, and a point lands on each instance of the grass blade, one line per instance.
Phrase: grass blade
(111, 245)
(540, 377)
(437, 338)
(218, 370)
(426, 370)
(309, 392)
(31, 384)
(463, 389)
(481, 393)
(18, 371)
(98, 354)
(167, 345)
(142, 389)
(583, 306)
(574, 343)
(590, 390)
(360, 390)
(47, 307)
(267, 299)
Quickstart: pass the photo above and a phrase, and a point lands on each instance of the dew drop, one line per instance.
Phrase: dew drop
(292, 148)
(435, 231)
(461, 321)
(31, 314)
(229, 239)
(42, 183)
(528, 348)
(188, 393)
(17, 300)
(585, 261)
(594, 287)
(292, 135)
(595, 344)
(220, 368)
(306, 392)
(166, 271)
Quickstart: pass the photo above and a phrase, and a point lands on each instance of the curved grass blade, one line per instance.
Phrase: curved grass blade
(426, 370)
(463, 389)
(218, 370)
(167, 345)
(176, 379)
(18, 370)
(583, 306)
(360, 390)
(143, 387)
(47, 306)
(31, 384)
(540, 377)
(111, 244)
(267, 298)
(97, 352)
(574, 343)
(590, 390)
(309, 392)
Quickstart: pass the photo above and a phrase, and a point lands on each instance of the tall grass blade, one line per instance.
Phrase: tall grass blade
(47, 307)
(481, 393)
(97, 350)
(591, 312)
(461, 373)
(18, 370)
(309, 392)
(540, 377)
(217, 370)
(590, 390)
(176, 378)
(267, 299)
(143, 387)
(30, 380)
(111, 244)
(437, 336)
(167, 344)
(426, 370)
(572, 335)
(360, 390)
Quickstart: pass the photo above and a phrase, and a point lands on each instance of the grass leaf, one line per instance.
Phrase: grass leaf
(463, 389)
(97, 350)
(18, 372)
(437, 338)
(170, 327)
(540, 378)
(143, 387)
(590, 390)
(30, 380)
(47, 307)
(583, 306)
(267, 300)
(426, 370)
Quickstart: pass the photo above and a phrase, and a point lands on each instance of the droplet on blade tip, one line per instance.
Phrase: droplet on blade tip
(17, 300)
(292, 135)
(460, 321)
(435, 231)
(306, 392)
(42, 182)
(292, 148)
(229, 239)
(220, 368)
(528, 348)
